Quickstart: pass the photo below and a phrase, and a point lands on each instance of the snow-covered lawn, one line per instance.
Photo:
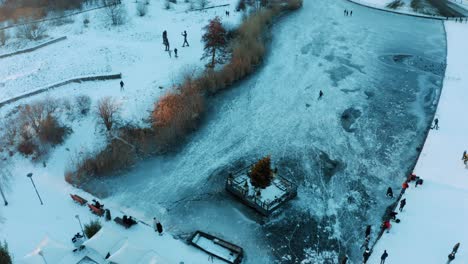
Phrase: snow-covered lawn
(134, 49)
(435, 216)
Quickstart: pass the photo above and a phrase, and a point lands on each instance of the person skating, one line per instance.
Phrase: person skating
(402, 204)
(386, 226)
(320, 95)
(390, 192)
(436, 124)
(419, 181)
(175, 53)
(366, 255)
(121, 85)
(185, 39)
(383, 257)
(404, 186)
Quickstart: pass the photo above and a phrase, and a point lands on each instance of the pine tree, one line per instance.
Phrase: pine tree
(215, 42)
(5, 257)
(261, 174)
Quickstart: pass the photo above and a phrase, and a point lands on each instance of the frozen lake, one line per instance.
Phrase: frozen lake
(381, 75)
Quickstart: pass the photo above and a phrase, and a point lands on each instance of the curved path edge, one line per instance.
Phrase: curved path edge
(33, 48)
(55, 85)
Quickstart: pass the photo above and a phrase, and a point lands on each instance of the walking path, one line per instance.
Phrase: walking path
(435, 216)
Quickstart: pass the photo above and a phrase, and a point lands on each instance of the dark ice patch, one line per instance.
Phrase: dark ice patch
(328, 166)
(338, 74)
(348, 118)
(414, 63)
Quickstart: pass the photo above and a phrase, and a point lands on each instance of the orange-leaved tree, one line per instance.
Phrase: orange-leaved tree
(215, 39)
(261, 173)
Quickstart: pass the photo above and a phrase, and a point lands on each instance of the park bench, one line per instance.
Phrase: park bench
(78, 199)
(95, 210)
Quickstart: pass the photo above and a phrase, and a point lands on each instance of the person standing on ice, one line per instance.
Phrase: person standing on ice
(436, 124)
(402, 204)
(121, 85)
(368, 231)
(185, 39)
(393, 215)
(390, 192)
(320, 95)
(159, 228)
(366, 255)
(383, 257)
(165, 41)
(175, 53)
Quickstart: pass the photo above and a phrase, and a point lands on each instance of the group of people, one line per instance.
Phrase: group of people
(128, 220)
(348, 12)
(167, 45)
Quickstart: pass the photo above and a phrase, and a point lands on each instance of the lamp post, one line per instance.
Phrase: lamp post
(82, 231)
(30, 177)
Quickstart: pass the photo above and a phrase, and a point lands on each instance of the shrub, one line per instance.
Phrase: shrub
(261, 173)
(33, 31)
(27, 147)
(52, 132)
(115, 11)
(293, 4)
(83, 104)
(107, 111)
(5, 257)
(92, 228)
(141, 8)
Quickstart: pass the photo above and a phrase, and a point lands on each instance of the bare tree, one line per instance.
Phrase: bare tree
(141, 8)
(33, 31)
(107, 110)
(115, 11)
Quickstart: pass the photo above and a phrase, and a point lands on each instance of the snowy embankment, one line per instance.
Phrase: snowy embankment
(435, 216)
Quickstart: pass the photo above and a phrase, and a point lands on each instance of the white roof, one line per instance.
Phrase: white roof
(105, 241)
(129, 254)
(48, 250)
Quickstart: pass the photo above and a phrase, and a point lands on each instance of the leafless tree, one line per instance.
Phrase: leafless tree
(202, 3)
(107, 111)
(115, 11)
(141, 8)
(33, 31)
(3, 37)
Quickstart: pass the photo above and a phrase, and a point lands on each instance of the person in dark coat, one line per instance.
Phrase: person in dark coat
(419, 181)
(366, 255)
(320, 95)
(351, 13)
(436, 124)
(159, 228)
(185, 39)
(368, 230)
(383, 257)
(175, 53)
(393, 215)
(402, 204)
(390, 192)
(121, 85)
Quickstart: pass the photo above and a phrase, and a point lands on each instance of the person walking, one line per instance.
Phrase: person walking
(368, 231)
(320, 95)
(345, 12)
(386, 226)
(419, 181)
(402, 204)
(436, 124)
(383, 257)
(159, 228)
(121, 85)
(185, 39)
(351, 13)
(390, 192)
(165, 41)
(175, 53)
(366, 255)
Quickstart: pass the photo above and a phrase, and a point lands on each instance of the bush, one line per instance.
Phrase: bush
(83, 104)
(52, 132)
(115, 11)
(5, 257)
(107, 111)
(293, 4)
(92, 228)
(33, 31)
(27, 147)
(261, 173)
(141, 8)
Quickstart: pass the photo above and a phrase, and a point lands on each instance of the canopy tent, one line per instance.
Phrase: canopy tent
(130, 254)
(105, 241)
(48, 251)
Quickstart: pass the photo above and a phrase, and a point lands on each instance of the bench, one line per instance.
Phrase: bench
(120, 221)
(95, 210)
(78, 199)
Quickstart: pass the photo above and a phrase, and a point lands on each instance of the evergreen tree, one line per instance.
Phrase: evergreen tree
(5, 257)
(215, 42)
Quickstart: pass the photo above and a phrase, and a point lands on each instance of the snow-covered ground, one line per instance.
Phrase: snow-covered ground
(435, 216)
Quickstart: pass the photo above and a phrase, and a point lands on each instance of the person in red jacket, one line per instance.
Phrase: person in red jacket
(386, 226)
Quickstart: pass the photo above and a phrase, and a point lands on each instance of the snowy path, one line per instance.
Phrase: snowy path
(436, 214)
